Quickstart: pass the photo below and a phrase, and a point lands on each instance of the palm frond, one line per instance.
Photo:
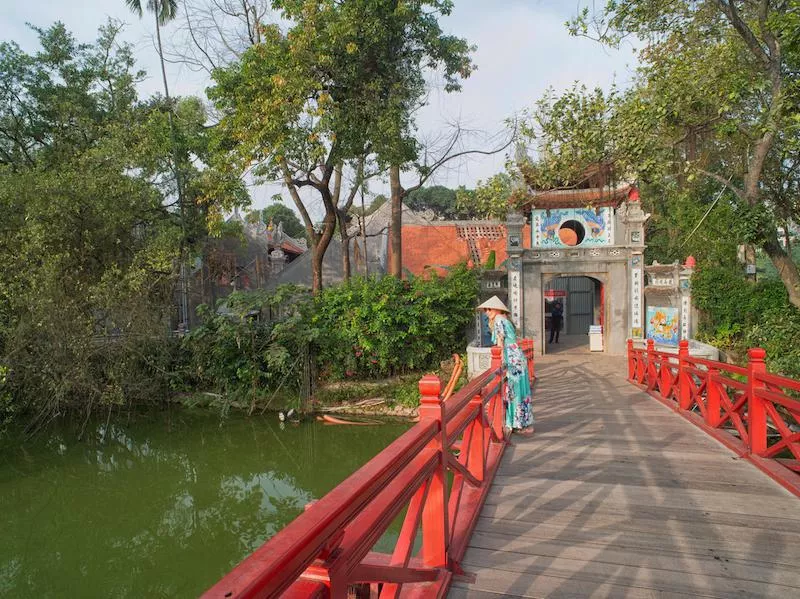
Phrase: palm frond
(135, 6)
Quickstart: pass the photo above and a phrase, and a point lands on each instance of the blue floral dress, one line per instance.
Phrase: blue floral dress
(519, 412)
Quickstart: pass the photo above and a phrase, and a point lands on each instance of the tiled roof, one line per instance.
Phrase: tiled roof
(578, 198)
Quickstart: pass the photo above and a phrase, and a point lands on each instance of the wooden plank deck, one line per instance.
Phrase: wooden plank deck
(617, 496)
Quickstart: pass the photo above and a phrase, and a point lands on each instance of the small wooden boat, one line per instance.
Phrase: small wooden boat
(328, 419)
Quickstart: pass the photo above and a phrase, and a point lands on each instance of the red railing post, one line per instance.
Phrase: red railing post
(684, 380)
(499, 411)
(529, 355)
(713, 415)
(478, 435)
(665, 377)
(631, 361)
(756, 413)
(651, 373)
(435, 525)
(497, 357)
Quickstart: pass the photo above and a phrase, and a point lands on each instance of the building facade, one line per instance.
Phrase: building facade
(596, 234)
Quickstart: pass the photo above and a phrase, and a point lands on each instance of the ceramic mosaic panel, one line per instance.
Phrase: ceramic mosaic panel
(662, 325)
(598, 226)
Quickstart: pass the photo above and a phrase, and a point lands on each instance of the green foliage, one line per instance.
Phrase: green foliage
(280, 213)
(7, 405)
(165, 10)
(384, 327)
(572, 131)
(255, 343)
(491, 260)
(91, 241)
(443, 201)
(252, 342)
(406, 393)
(489, 199)
(738, 314)
(343, 76)
(716, 97)
(777, 332)
(724, 296)
(685, 222)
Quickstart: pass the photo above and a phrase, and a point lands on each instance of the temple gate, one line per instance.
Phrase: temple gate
(595, 232)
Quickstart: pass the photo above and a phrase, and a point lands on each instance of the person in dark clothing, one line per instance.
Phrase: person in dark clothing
(556, 317)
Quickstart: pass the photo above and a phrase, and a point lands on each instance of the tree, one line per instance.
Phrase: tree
(215, 33)
(330, 95)
(165, 11)
(489, 199)
(279, 213)
(91, 245)
(87, 248)
(718, 92)
(378, 201)
(451, 150)
(437, 198)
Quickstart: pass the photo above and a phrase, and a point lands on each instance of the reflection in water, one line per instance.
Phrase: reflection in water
(165, 505)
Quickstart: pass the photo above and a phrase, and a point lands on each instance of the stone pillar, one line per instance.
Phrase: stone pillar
(637, 295)
(685, 290)
(278, 259)
(516, 283)
(634, 219)
(616, 298)
(534, 304)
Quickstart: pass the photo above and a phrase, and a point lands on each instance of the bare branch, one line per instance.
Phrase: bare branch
(726, 182)
(291, 185)
(728, 7)
(448, 155)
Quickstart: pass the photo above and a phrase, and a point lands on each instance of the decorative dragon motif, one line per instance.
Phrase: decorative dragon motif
(596, 222)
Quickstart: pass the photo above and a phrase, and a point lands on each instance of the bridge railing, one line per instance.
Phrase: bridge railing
(328, 549)
(753, 412)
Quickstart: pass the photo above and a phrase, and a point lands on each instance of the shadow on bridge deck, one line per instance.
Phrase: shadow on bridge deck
(617, 496)
(569, 344)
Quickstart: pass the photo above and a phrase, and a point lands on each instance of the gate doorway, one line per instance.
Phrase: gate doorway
(582, 301)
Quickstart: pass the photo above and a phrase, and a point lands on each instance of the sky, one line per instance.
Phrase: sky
(523, 49)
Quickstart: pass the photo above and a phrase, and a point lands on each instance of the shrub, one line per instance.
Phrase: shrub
(382, 327)
(251, 342)
(778, 332)
(737, 314)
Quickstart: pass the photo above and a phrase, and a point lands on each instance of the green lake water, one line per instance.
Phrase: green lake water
(164, 505)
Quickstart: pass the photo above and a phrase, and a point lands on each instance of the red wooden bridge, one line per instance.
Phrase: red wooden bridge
(616, 495)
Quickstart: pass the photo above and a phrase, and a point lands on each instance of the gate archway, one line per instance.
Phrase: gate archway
(582, 299)
(590, 234)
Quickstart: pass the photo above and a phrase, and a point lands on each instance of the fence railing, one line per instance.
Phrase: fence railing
(328, 550)
(753, 412)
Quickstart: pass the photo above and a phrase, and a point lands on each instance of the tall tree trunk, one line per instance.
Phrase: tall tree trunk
(341, 217)
(346, 256)
(362, 223)
(316, 270)
(172, 132)
(324, 240)
(396, 224)
(183, 283)
(787, 270)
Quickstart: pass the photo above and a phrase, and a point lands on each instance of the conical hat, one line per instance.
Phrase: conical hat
(493, 303)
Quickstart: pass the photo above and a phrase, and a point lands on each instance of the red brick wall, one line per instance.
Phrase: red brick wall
(439, 245)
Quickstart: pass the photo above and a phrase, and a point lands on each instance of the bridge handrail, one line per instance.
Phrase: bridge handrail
(752, 411)
(326, 549)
